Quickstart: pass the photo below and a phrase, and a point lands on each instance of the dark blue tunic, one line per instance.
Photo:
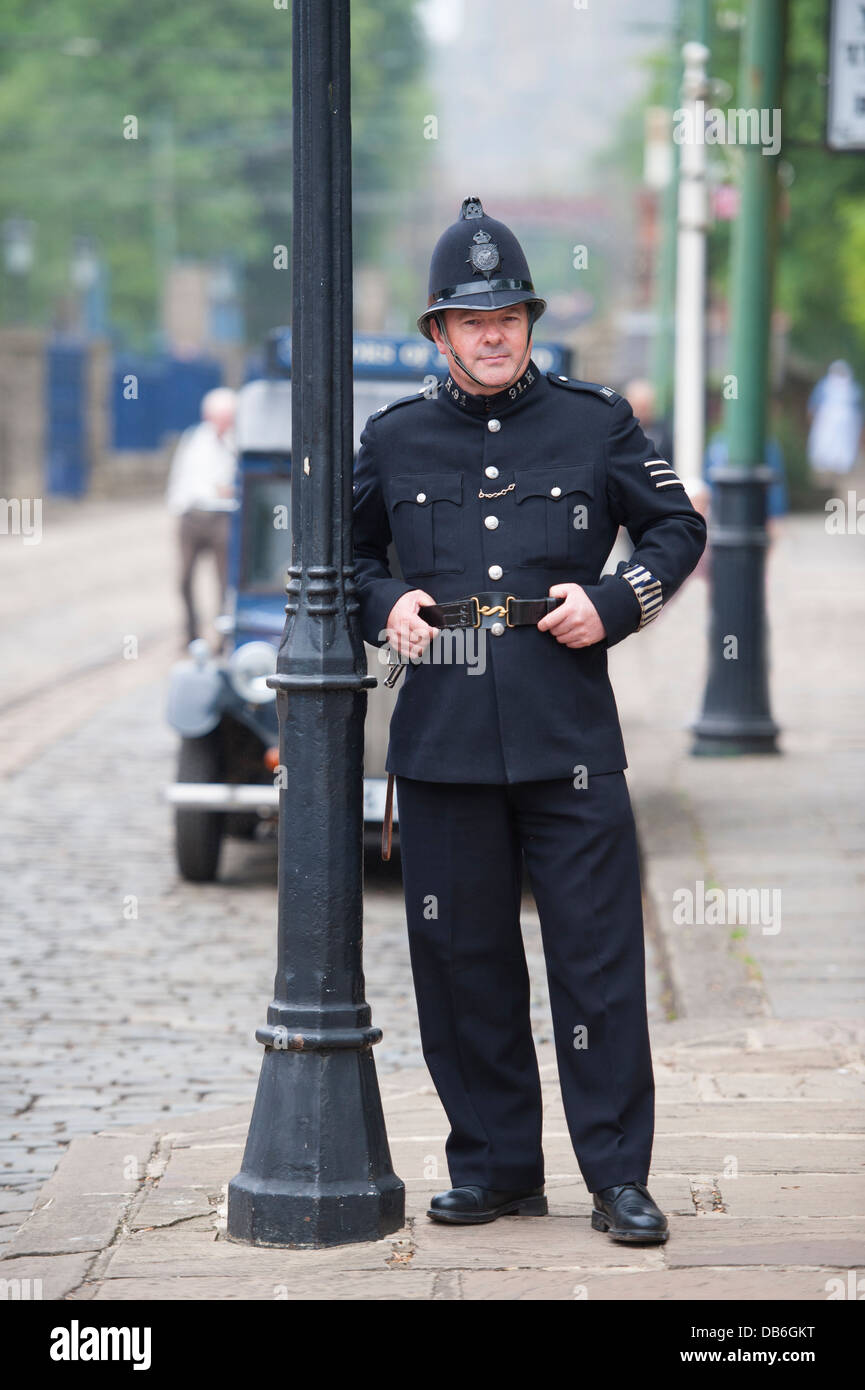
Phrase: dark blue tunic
(572, 465)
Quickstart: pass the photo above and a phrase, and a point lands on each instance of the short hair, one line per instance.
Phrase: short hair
(220, 401)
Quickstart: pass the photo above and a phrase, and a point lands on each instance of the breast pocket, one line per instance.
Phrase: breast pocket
(428, 523)
(551, 512)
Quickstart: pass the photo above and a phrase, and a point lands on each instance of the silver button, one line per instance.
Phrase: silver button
(497, 629)
(555, 492)
(491, 472)
(563, 378)
(494, 426)
(491, 522)
(495, 571)
(421, 497)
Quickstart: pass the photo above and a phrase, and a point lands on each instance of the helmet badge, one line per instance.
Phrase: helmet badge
(484, 254)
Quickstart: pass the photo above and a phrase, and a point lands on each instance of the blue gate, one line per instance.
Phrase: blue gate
(66, 461)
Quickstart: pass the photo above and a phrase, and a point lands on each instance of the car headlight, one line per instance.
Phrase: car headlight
(248, 668)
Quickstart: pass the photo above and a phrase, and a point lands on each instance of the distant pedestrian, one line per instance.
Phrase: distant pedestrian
(201, 493)
(835, 411)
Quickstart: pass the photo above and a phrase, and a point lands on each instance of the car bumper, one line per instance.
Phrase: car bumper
(263, 801)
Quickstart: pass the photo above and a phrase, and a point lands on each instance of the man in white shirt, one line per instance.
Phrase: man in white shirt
(200, 492)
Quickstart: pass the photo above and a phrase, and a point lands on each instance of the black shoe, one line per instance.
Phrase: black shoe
(628, 1212)
(469, 1206)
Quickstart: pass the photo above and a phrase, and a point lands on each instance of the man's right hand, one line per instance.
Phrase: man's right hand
(408, 634)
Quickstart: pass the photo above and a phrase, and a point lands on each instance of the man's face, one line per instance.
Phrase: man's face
(491, 342)
(221, 419)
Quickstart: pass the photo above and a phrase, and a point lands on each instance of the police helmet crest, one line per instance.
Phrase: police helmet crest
(484, 255)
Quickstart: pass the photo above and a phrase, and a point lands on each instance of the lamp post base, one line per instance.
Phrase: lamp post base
(316, 1171)
(719, 737)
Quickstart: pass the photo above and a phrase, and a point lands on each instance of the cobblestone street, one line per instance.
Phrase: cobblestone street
(128, 995)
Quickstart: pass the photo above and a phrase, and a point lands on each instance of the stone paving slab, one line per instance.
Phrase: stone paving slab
(81, 1206)
(786, 1153)
(43, 1276)
(710, 1285)
(731, 1115)
(340, 1284)
(822, 1194)
(167, 1206)
(188, 1248)
(552, 1242)
(727, 1240)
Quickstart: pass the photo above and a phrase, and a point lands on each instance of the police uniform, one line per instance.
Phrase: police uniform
(508, 752)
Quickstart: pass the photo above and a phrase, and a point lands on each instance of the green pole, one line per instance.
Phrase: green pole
(753, 241)
(736, 716)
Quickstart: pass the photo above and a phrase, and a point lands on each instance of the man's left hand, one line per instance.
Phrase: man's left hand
(576, 622)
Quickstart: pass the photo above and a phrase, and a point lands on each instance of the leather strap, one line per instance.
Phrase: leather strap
(387, 823)
(482, 610)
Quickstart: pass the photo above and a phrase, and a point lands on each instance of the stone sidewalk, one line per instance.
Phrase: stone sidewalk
(758, 1160)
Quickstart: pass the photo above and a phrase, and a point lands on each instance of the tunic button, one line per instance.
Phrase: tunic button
(491, 472)
(494, 426)
(421, 497)
(491, 522)
(497, 629)
(495, 571)
(555, 492)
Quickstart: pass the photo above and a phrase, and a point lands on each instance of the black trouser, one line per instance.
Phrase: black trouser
(462, 855)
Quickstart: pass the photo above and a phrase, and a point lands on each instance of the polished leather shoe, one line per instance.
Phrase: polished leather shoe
(469, 1206)
(627, 1212)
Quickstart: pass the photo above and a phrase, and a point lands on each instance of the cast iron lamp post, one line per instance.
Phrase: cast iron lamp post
(317, 1170)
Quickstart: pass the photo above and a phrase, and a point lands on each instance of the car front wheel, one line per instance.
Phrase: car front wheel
(198, 834)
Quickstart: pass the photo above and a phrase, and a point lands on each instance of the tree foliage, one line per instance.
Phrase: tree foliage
(207, 172)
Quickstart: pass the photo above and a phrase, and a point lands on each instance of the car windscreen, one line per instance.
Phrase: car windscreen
(266, 543)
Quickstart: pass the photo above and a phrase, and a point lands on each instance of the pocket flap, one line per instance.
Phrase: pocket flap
(554, 482)
(423, 490)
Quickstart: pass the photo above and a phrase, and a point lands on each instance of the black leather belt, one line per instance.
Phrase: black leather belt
(498, 610)
(484, 610)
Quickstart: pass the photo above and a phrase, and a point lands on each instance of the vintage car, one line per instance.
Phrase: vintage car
(219, 702)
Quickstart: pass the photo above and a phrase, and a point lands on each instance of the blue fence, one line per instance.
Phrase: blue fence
(155, 396)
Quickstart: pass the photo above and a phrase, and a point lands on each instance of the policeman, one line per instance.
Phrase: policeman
(503, 492)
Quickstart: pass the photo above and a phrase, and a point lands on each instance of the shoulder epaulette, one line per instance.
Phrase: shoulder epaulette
(403, 400)
(606, 393)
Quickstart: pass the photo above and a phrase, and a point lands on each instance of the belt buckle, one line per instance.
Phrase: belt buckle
(477, 603)
(509, 600)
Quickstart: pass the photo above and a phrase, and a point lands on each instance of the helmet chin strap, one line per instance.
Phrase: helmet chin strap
(461, 364)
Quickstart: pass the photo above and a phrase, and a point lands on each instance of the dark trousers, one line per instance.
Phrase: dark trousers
(200, 531)
(462, 849)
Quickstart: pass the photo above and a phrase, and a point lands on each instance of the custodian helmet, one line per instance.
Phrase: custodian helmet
(478, 263)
